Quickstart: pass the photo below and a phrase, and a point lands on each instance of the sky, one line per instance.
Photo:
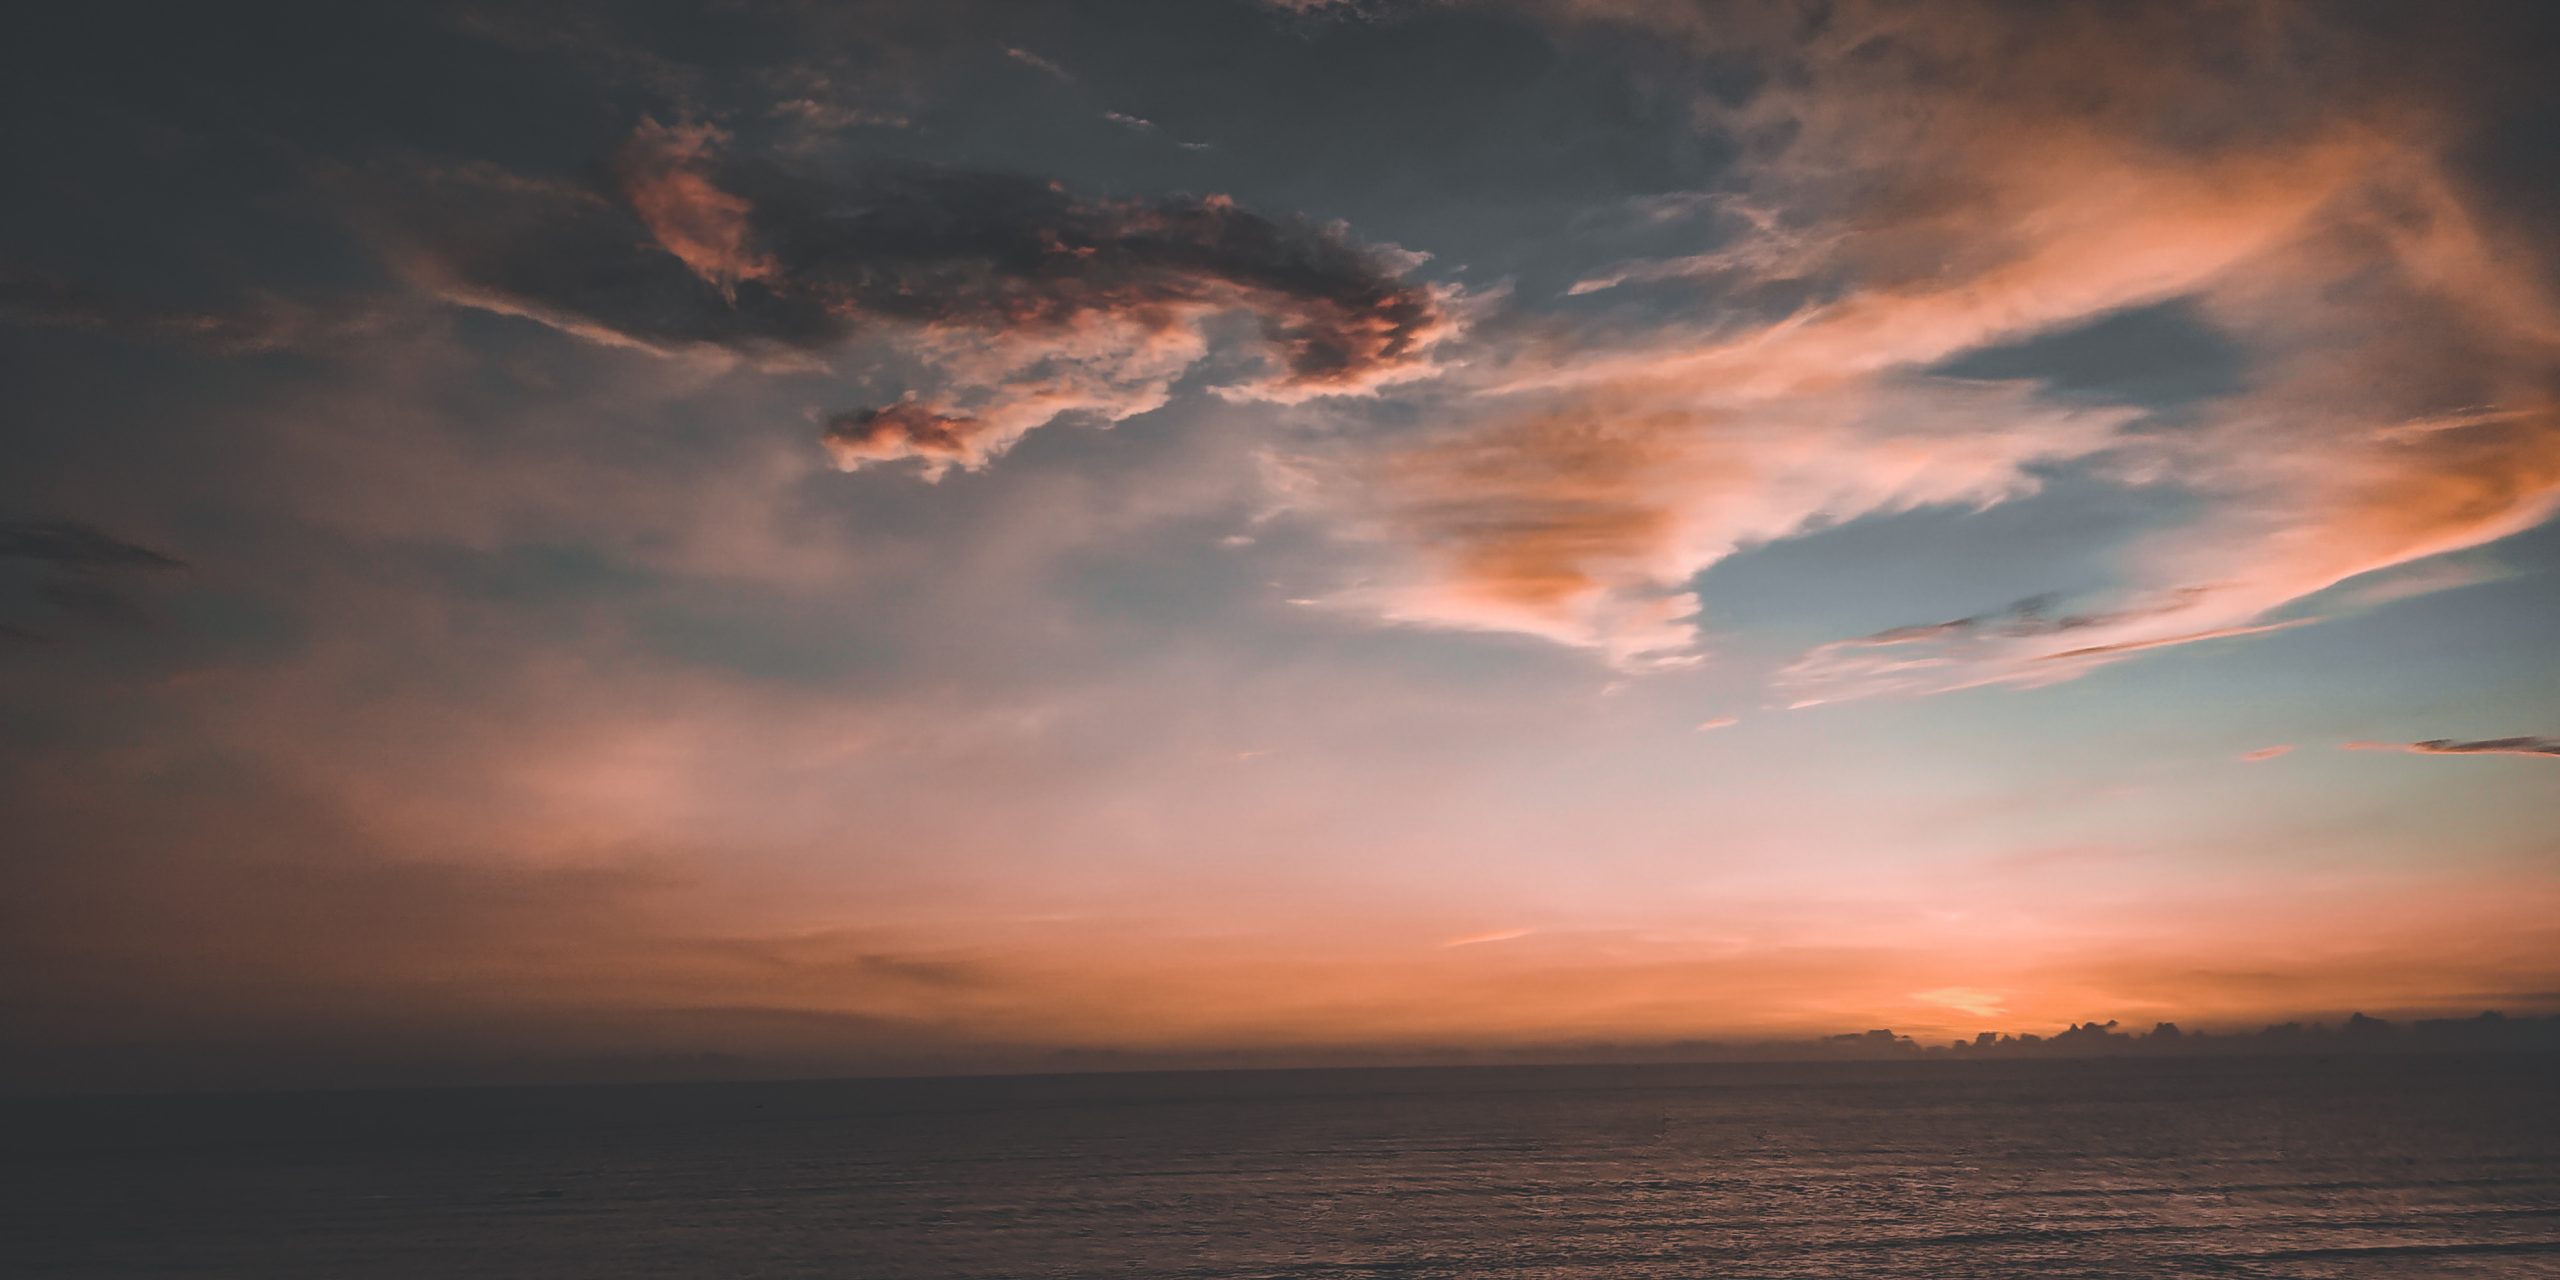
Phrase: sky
(927, 535)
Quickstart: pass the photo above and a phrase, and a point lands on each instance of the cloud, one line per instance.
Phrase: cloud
(77, 564)
(68, 544)
(1020, 301)
(1717, 722)
(1916, 658)
(1924, 181)
(1950, 656)
(666, 177)
(252, 326)
(1040, 64)
(905, 428)
(1477, 939)
(1582, 520)
(2539, 748)
(2264, 753)
(1973, 1000)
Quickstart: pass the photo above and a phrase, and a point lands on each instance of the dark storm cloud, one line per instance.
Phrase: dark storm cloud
(685, 246)
(2539, 747)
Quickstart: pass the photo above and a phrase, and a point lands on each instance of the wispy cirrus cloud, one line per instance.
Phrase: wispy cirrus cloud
(1039, 64)
(2538, 748)
(1479, 939)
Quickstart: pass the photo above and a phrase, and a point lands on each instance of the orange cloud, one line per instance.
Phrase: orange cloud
(1973, 1000)
(1945, 179)
(1582, 523)
(666, 175)
(1476, 939)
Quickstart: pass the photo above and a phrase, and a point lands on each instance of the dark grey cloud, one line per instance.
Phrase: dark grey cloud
(77, 568)
(1033, 60)
(2542, 747)
(71, 545)
(2033, 616)
(681, 245)
(37, 299)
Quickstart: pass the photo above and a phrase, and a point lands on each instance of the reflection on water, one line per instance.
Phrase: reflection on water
(2280, 1168)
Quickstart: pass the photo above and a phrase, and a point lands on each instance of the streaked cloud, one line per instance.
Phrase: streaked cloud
(2535, 747)
(1039, 64)
(1973, 1000)
(1478, 939)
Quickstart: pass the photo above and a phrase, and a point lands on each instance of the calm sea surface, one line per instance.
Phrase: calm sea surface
(2295, 1168)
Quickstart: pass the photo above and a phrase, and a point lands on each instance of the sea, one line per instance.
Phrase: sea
(2259, 1167)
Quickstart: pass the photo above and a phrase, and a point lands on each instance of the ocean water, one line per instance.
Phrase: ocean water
(2273, 1168)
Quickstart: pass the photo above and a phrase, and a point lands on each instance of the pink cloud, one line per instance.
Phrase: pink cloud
(666, 176)
(2019, 187)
